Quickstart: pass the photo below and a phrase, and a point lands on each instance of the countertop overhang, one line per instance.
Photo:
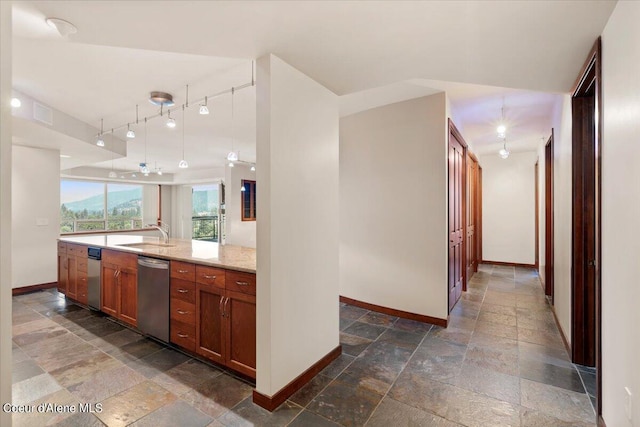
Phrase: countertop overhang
(231, 257)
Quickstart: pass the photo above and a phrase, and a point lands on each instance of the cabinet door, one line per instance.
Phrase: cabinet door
(109, 288)
(63, 272)
(240, 313)
(209, 320)
(82, 287)
(72, 283)
(128, 282)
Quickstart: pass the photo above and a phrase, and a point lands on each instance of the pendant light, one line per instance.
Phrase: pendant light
(204, 110)
(130, 132)
(144, 169)
(113, 173)
(233, 155)
(183, 163)
(171, 123)
(16, 103)
(100, 141)
(502, 127)
(504, 153)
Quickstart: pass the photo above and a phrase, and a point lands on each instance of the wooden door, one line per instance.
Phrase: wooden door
(240, 351)
(548, 218)
(109, 288)
(72, 282)
(128, 295)
(209, 320)
(472, 200)
(457, 157)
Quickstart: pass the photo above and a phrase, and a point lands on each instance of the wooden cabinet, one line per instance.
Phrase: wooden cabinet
(213, 313)
(72, 271)
(120, 285)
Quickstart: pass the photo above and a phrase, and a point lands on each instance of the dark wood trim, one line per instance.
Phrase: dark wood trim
(567, 346)
(537, 208)
(33, 288)
(250, 187)
(479, 238)
(549, 232)
(394, 312)
(272, 403)
(508, 264)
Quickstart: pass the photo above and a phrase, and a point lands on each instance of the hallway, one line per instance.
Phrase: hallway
(501, 362)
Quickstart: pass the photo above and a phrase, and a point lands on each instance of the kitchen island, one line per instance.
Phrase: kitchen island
(212, 310)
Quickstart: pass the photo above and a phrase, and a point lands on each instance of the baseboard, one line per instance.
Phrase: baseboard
(508, 264)
(33, 288)
(394, 312)
(601, 422)
(271, 403)
(567, 346)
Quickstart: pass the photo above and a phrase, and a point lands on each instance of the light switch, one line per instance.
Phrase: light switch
(42, 222)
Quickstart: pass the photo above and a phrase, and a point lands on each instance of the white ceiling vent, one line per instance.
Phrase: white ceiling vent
(42, 114)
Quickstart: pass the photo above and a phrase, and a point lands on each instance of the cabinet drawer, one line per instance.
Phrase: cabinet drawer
(183, 270)
(78, 250)
(121, 259)
(183, 290)
(183, 335)
(81, 264)
(210, 276)
(62, 247)
(241, 282)
(82, 290)
(183, 311)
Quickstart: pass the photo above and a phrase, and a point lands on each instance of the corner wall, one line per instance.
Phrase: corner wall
(297, 233)
(393, 204)
(620, 210)
(35, 215)
(508, 208)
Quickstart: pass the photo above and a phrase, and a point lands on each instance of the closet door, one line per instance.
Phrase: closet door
(457, 213)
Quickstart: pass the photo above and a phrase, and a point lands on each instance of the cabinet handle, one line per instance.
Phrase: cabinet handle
(208, 277)
(220, 306)
(183, 271)
(242, 283)
(183, 291)
(225, 306)
(182, 311)
(181, 335)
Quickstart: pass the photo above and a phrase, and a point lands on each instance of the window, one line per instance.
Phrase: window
(204, 215)
(248, 197)
(88, 206)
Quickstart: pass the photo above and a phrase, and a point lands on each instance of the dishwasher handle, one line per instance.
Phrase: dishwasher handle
(153, 263)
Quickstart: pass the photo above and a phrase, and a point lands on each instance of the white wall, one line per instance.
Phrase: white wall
(239, 232)
(180, 223)
(150, 204)
(508, 207)
(5, 209)
(562, 209)
(393, 204)
(35, 196)
(297, 240)
(620, 211)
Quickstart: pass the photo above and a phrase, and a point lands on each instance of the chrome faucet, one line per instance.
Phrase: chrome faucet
(161, 229)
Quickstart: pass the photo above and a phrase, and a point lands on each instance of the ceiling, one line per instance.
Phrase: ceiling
(370, 53)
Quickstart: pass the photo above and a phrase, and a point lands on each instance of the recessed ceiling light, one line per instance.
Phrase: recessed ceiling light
(16, 103)
(63, 27)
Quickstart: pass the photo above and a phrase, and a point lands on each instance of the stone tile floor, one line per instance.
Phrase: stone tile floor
(501, 362)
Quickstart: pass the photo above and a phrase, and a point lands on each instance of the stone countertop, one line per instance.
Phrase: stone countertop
(231, 257)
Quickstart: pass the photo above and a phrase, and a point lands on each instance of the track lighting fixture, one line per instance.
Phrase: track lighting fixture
(253, 168)
(171, 123)
(504, 153)
(231, 164)
(113, 174)
(100, 141)
(203, 108)
(130, 132)
(183, 163)
(144, 168)
(232, 156)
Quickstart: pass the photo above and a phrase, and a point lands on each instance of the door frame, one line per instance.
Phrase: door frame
(590, 79)
(453, 130)
(548, 222)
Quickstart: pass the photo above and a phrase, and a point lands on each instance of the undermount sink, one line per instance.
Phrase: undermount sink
(146, 245)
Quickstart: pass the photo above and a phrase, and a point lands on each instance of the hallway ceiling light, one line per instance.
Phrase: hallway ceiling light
(504, 153)
(16, 103)
(232, 156)
(63, 27)
(144, 168)
(204, 110)
(502, 127)
(231, 164)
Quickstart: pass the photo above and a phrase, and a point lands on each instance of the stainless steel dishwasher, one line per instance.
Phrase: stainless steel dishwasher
(93, 275)
(153, 297)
